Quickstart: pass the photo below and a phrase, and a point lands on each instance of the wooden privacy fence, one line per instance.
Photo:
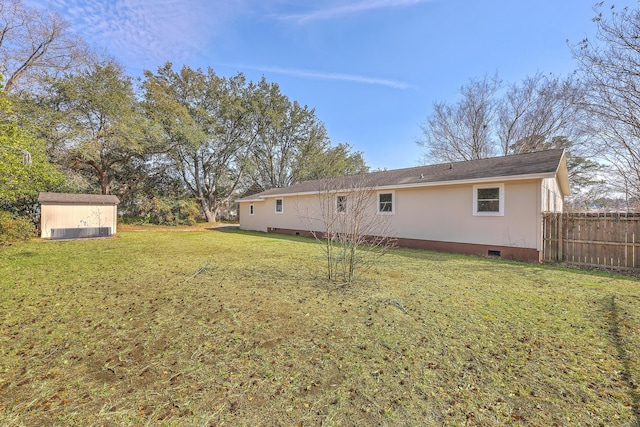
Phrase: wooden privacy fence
(610, 240)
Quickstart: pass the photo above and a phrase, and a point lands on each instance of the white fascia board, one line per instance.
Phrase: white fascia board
(258, 199)
(471, 181)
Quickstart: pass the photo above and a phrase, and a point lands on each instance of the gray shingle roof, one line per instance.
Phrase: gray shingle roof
(94, 199)
(541, 162)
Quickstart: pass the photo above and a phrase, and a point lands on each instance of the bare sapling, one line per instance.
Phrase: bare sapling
(344, 219)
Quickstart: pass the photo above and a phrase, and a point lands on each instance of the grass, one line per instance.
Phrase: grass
(208, 328)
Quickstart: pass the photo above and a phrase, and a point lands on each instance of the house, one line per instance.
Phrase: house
(491, 206)
(73, 216)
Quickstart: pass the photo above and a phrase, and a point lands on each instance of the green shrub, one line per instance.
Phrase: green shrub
(14, 228)
(166, 211)
(187, 212)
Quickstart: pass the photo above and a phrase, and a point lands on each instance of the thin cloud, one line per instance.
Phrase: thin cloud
(145, 31)
(319, 75)
(349, 9)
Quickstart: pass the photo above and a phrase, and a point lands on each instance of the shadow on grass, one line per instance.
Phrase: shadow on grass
(427, 255)
(271, 236)
(419, 254)
(224, 228)
(449, 256)
(615, 334)
(434, 256)
(408, 252)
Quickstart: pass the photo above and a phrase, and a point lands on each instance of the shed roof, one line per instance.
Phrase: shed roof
(548, 162)
(91, 199)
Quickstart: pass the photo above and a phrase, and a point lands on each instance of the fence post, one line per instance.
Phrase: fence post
(560, 229)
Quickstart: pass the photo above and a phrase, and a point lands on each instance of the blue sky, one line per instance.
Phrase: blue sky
(370, 68)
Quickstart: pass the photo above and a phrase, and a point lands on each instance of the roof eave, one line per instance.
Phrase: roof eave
(418, 185)
(69, 198)
(257, 199)
(471, 181)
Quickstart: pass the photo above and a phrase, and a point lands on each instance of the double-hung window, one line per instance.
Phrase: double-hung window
(341, 204)
(488, 200)
(279, 205)
(386, 203)
(251, 209)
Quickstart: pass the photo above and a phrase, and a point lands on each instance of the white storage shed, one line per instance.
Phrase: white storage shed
(75, 216)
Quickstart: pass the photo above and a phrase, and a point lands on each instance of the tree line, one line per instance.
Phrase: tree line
(174, 139)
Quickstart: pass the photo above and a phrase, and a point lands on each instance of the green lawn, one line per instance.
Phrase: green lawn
(122, 332)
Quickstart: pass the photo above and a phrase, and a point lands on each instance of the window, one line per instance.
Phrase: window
(251, 209)
(385, 203)
(488, 200)
(279, 205)
(341, 204)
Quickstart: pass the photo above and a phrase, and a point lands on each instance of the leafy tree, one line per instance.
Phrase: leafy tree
(286, 134)
(94, 123)
(142, 179)
(206, 122)
(585, 175)
(24, 169)
(35, 44)
(610, 66)
(291, 144)
(334, 161)
(170, 211)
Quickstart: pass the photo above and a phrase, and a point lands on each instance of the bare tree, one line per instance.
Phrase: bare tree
(35, 44)
(463, 131)
(345, 220)
(610, 67)
(537, 110)
(540, 113)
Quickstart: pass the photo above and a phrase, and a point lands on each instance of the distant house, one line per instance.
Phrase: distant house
(73, 216)
(490, 206)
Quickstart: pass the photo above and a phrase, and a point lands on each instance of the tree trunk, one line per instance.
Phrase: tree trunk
(210, 215)
(104, 183)
(216, 214)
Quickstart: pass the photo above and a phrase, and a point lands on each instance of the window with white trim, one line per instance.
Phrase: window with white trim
(341, 204)
(251, 209)
(279, 205)
(386, 203)
(488, 200)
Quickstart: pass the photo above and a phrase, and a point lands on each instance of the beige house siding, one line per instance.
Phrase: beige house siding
(265, 215)
(255, 222)
(452, 207)
(446, 214)
(70, 215)
(439, 213)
